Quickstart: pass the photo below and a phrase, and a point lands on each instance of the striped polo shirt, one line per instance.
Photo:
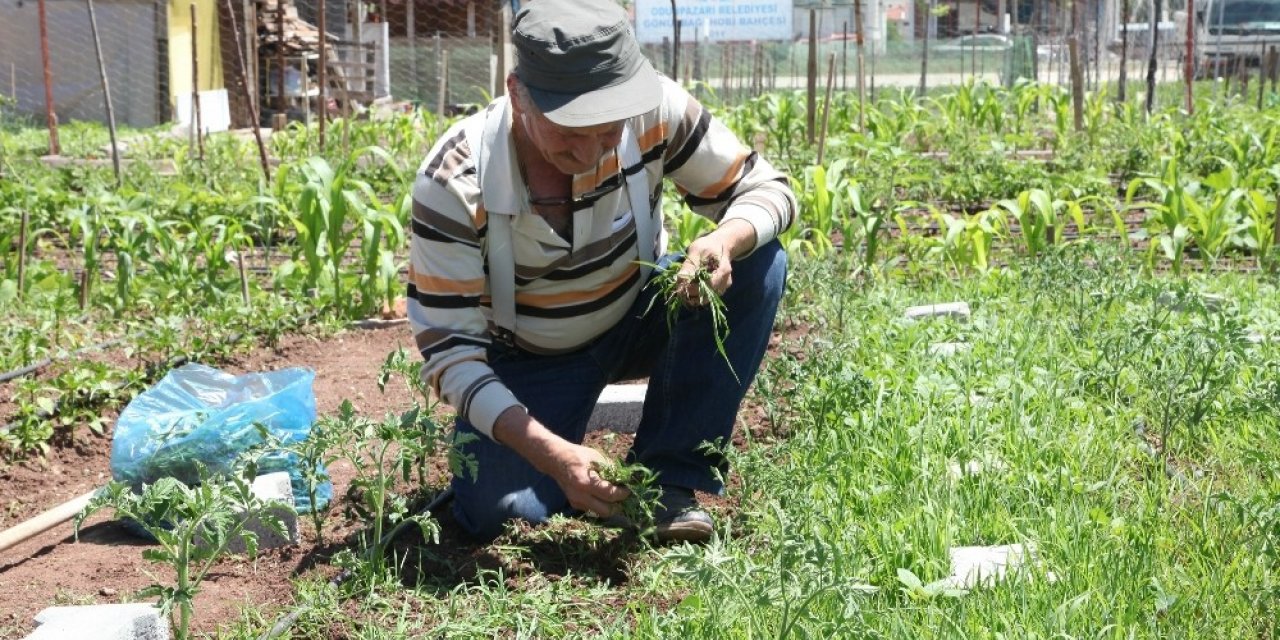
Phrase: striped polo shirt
(568, 290)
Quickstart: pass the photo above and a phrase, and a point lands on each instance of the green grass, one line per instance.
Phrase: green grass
(850, 485)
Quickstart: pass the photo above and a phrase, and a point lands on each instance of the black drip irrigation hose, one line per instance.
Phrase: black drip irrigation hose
(283, 624)
(176, 361)
(32, 368)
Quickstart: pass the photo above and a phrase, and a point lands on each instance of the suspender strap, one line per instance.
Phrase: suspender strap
(637, 185)
(501, 251)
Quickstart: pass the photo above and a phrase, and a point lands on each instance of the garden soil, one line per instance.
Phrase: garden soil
(105, 566)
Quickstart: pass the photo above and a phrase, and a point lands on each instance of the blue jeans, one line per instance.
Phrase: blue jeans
(692, 396)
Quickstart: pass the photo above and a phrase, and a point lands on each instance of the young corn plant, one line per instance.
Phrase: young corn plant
(193, 527)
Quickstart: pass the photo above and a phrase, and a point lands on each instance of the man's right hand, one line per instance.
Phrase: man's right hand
(572, 466)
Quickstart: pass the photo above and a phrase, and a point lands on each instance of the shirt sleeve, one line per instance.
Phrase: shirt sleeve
(719, 177)
(446, 283)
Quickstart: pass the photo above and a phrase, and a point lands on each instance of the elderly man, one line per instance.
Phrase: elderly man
(534, 225)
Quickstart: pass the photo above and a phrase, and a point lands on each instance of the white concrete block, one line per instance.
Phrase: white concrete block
(985, 566)
(975, 467)
(958, 310)
(619, 408)
(275, 488)
(944, 349)
(136, 621)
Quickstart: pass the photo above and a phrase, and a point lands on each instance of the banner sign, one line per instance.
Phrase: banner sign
(715, 20)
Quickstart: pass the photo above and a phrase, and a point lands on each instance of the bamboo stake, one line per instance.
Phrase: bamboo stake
(826, 105)
(250, 94)
(195, 83)
(22, 252)
(50, 116)
(106, 94)
(44, 522)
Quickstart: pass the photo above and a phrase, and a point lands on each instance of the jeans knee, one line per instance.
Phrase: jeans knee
(485, 519)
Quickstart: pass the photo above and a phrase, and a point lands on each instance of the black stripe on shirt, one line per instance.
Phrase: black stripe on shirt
(691, 144)
(584, 308)
(442, 301)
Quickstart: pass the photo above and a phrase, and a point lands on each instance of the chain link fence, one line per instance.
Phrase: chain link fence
(449, 54)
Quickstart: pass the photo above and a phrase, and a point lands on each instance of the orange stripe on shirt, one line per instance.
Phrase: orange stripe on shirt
(551, 300)
(649, 139)
(729, 177)
(435, 284)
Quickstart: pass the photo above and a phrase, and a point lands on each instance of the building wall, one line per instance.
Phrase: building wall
(129, 36)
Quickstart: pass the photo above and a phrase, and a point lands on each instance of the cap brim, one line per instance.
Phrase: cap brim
(639, 94)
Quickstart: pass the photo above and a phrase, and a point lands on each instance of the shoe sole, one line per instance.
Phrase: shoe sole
(684, 532)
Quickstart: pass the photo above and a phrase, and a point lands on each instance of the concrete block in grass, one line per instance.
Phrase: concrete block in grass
(945, 349)
(135, 621)
(957, 310)
(619, 408)
(973, 567)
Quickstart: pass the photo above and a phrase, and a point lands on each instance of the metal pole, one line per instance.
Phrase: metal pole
(250, 94)
(195, 83)
(50, 116)
(106, 94)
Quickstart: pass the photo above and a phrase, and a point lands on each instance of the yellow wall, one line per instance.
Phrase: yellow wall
(180, 47)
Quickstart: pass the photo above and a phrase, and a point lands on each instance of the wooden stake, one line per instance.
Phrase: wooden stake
(1124, 50)
(84, 288)
(244, 278)
(22, 252)
(50, 116)
(195, 83)
(826, 105)
(1189, 62)
(442, 88)
(323, 71)
(924, 57)
(675, 41)
(1077, 82)
(812, 78)
(106, 95)
(45, 521)
(250, 93)
(281, 103)
(1151, 60)
(862, 83)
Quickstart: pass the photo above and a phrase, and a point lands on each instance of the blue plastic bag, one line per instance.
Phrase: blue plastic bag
(200, 414)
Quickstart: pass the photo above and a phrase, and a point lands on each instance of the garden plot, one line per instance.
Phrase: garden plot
(1129, 443)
